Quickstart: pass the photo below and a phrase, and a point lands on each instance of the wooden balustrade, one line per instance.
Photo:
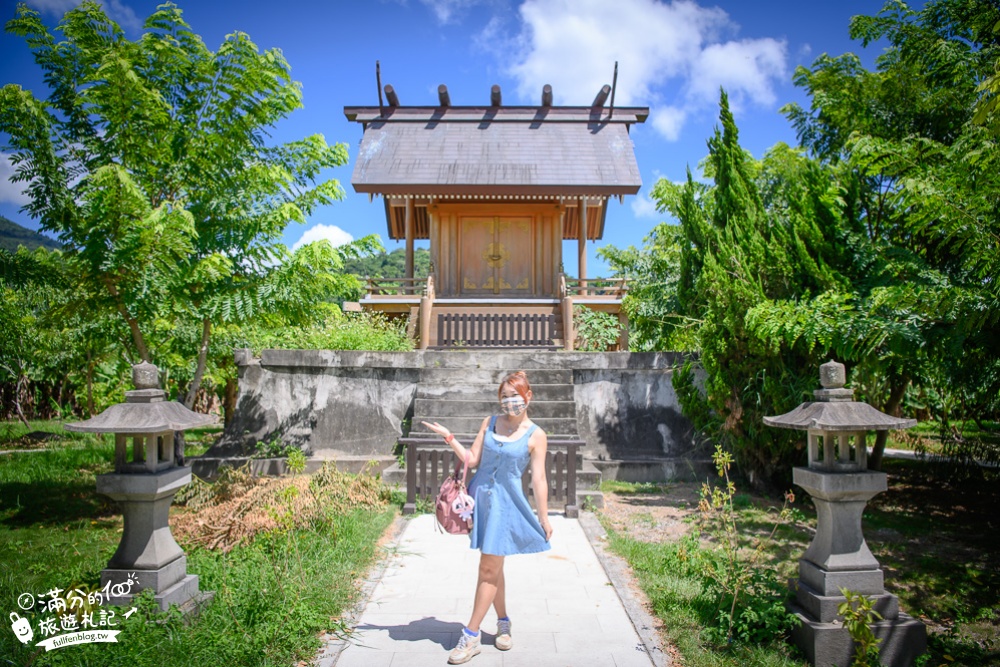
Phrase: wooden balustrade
(495, 330)
(611, 288)
(428, 463)
(389, 287)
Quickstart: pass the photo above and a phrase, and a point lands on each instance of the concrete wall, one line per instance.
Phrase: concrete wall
(351, 404)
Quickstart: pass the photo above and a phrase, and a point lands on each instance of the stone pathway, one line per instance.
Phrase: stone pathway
(564, 610)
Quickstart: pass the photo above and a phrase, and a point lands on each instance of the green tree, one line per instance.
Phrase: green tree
(652, 304)
(391, 264)
(919, 174)
(149, 160)
(762, 231)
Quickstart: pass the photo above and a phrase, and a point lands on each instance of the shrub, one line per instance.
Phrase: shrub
(595, 331)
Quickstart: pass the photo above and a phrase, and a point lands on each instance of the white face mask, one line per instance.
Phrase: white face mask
(513, 405)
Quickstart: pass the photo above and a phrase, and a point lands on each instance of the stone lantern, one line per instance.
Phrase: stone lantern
(145, 484)
(838, 479)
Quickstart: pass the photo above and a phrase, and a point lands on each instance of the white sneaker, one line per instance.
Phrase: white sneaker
(468, 647)
(504, 642)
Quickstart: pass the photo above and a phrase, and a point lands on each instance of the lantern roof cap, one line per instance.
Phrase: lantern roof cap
(838, 416)
(836, 410)
(145, 410)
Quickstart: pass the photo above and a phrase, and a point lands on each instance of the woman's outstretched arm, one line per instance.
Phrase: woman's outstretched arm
(471, 455)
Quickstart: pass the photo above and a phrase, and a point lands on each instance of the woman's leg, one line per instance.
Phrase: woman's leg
(500, 600)
(490, 569)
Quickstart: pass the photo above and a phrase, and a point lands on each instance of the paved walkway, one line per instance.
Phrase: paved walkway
(563, 608)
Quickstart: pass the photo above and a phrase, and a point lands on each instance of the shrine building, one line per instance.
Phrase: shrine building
(496, 190)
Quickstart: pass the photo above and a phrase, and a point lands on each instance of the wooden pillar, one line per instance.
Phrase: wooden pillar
(623, 333)
(582, 246)
(569, 336)
(409, 244)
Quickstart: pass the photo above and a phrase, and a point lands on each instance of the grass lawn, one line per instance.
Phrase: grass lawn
(275, 596)
(50, 433)
(935, 537)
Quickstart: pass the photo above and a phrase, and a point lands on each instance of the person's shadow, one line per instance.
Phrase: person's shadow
(427, 628)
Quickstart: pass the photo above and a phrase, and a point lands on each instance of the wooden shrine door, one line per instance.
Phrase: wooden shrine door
(497, 256)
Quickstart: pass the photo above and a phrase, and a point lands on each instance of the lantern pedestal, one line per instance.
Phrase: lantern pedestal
(147, 553)
(839, 557)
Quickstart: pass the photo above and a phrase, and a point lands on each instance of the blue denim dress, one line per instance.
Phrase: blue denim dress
(503, 522)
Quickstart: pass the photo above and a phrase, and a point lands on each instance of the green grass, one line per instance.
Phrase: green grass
(675, 594)
(14, 436)
(274, 596)
(933, 535)
(632, 488)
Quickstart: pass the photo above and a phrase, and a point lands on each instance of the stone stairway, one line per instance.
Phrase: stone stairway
(460, 398)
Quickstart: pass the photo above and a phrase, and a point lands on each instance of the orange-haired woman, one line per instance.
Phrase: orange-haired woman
(503, 522)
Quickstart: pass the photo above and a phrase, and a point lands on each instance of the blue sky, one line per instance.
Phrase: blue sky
(673, 57)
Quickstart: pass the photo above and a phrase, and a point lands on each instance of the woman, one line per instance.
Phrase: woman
(503, 523)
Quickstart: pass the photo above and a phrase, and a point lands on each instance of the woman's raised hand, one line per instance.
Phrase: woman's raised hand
(437, 428)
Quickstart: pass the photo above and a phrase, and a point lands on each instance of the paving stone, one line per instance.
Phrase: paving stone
(565, 613)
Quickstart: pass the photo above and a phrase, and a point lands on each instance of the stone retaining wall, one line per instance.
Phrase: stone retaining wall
(352, 404)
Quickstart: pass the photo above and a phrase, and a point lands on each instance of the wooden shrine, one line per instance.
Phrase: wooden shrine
(496, 190)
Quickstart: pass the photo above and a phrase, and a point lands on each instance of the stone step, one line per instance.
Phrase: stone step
(482, 407)
(492, 376)
(470, 425)
(463, 390)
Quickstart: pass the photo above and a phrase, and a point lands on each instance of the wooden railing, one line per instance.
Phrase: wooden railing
(495, 330)
(611, 288)
(390, 287)
(428, 463)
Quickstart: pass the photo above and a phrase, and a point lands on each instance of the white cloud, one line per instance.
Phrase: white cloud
(446, 10)
(117, 10)
(644, 207)
(573, 44)
(668, 121)
(10, 192)
(745, 69)
(332, 233)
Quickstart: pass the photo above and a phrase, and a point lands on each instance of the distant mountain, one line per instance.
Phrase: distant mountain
(13, 235)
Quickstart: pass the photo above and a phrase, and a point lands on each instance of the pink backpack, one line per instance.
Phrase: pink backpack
(454, 506)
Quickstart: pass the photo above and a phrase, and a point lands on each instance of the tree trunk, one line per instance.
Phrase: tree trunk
(133, 324)
(199, 371)
(896, 393)
(17, 399)
(229, 400)
(90, 384)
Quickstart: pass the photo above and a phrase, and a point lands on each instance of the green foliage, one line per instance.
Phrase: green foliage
(859, 613)
(150, 161)
(272, 449)
(296, 461)
(670, 574)
(874, 243)
(390, 264)
(274, 596)
(333, 331)
(595, 331)
(749, 599)
(652, 306)
(758, 234)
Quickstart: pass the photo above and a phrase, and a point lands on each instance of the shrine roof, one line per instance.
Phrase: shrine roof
(496, 150)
